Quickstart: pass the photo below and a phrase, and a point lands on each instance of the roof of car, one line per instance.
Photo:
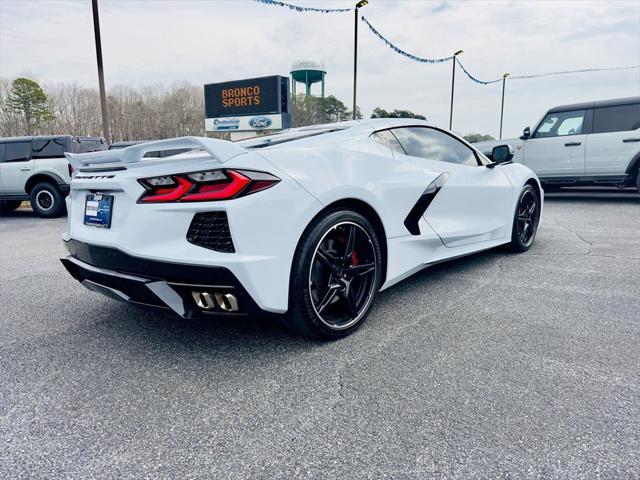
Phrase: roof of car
(595, 104)
(32, 137)
(44, 137)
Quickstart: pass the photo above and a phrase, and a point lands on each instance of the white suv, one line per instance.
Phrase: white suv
(35, 168)
(594, 143)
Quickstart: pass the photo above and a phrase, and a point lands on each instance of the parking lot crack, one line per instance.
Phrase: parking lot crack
(580, 237)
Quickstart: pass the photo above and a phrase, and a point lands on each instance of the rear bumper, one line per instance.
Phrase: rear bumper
(161, 284)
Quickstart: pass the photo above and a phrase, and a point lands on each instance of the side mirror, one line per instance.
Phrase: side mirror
(501, 154)
(526, 133)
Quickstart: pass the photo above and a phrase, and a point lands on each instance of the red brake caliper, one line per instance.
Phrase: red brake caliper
(354, 258)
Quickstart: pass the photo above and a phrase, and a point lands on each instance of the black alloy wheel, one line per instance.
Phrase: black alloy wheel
(47, 200)
(525, 223)
(335, 276)
(342, 277)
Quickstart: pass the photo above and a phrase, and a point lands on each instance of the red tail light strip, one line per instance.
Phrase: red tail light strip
(223, 185)
(172, 195)
(238, 182)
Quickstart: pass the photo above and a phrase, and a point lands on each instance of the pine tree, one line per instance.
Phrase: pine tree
(27, 98)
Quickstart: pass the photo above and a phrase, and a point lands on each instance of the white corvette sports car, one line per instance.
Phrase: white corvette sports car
(308, 224)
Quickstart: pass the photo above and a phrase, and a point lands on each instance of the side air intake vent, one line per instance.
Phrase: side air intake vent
(411, 222)
(211, 230)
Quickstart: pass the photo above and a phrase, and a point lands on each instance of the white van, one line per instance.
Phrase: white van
(35, 168)
(594, 143)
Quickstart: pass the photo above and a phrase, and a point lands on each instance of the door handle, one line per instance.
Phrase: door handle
(573, 144)
(25, 169)
(629, 140)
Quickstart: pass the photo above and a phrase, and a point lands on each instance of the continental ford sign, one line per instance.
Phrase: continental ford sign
(243, 124)
(251, 104)
(260, 123)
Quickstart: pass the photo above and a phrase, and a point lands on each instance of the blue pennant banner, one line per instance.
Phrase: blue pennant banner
(402, 52)
(297, 8)
(477, 80)
(565, 72)
(481, 82)
(393, 47)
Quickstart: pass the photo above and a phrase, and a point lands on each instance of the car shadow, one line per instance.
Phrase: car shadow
(126, 323)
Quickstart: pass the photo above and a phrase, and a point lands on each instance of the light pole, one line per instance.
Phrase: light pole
(359, 5)
(103, 96)
(504, 81)
(453, 81)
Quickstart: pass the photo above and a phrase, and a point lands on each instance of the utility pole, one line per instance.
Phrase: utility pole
(504, 81)
(453, 82)
(359, 5)
(103, 95)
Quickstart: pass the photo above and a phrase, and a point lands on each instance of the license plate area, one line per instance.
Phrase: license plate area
(98, 209)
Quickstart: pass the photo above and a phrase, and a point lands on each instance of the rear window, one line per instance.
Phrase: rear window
(17, 151)
(50, 148)
(85, 145)
(620, 118)
(388, 139)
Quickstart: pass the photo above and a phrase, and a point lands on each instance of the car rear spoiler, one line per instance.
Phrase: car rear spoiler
(220, 150)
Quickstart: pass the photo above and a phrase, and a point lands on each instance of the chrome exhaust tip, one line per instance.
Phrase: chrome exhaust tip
(227, 302)
(203, 300)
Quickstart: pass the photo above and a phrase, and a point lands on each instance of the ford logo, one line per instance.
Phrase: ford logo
(260, 122)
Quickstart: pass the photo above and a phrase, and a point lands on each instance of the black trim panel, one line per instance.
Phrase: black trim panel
(135, 290)
(115, 260)
(417, 211)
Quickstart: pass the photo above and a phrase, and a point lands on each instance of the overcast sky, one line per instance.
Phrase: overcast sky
(151, 42)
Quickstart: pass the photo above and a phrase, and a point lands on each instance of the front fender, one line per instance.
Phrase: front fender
(519, 175)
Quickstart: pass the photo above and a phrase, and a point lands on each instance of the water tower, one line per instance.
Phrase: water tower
(307, 72)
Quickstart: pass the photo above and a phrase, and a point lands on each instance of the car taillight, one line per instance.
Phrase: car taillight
(70, 169)
(205, 186)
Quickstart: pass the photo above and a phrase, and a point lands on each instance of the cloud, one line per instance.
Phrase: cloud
(438, 7)
(150, 42)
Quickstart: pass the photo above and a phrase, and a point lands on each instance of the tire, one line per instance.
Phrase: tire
(638, 180)
(47, 200)
(525, 220)
(9, 205)
(331, 291)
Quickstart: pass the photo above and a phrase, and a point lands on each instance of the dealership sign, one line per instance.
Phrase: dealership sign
(246, 105)
(245, 123)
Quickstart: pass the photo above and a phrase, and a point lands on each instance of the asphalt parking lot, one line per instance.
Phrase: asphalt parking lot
(492, 366)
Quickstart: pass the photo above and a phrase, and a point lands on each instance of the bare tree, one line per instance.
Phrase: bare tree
(149, 112)
(145, 113)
